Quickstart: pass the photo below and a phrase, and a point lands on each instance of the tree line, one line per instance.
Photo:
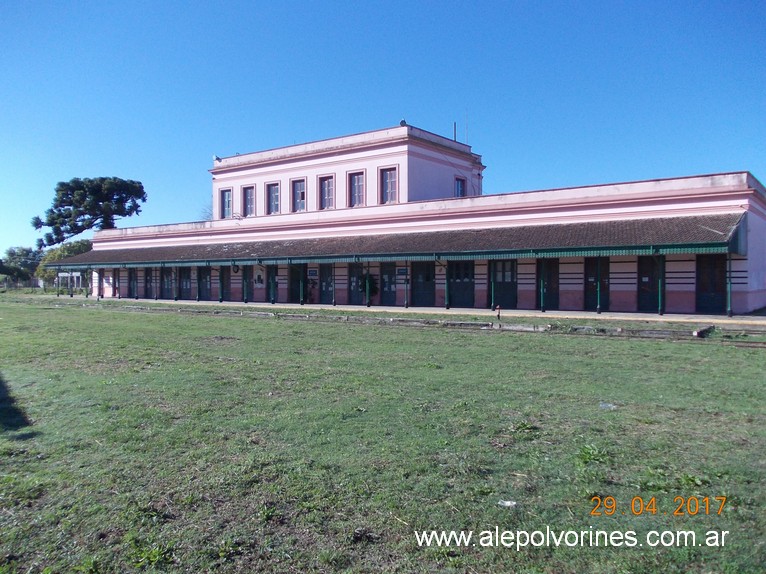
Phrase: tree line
(22, 264)
(78, 205)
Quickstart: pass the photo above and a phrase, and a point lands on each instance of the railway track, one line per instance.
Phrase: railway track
(746, 344)
(699, 334)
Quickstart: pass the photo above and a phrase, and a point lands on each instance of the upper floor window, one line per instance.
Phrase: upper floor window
(388, 185)
(299, 195)
(225, 203)
(356, 189)
(248, 200)
(460, 187)
(326, 192)
(272, 198)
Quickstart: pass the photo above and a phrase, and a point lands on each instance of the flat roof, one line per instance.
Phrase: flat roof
(340, 143)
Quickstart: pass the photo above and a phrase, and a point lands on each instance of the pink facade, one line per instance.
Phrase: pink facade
(363, 170)
(400, 211)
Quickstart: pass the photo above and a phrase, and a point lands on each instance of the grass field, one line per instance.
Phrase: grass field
(175, 442)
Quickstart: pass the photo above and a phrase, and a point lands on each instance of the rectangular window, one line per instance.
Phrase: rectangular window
(299, 195)
(355, 189)
(460, 189)
(225, 203)
(505, 271)
(272, 198)
(326, 192)
(248, 200)
(388, 185)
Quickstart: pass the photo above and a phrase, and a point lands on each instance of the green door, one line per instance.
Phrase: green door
(547, 295)
(185, 283)
(423, 283)
(272, 290)
(149, 283)
(326, 284)
(460, 284)
(388, 284)
(711, 284)
(596, 283)
(224, 284)
(203, 283)
(298, 279)
(132, 283)
(503, 284)
(166, 283)
(651, 284)
(356, 285)
(247, 283)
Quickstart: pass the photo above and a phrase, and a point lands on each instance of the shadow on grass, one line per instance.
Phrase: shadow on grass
(12, 417)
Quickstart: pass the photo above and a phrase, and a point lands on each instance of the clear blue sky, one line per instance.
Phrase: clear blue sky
(551, 94)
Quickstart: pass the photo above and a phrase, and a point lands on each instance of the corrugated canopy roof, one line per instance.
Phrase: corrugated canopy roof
(691, 234)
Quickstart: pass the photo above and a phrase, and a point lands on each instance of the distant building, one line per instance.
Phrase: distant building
(396, 217)
(68, 280)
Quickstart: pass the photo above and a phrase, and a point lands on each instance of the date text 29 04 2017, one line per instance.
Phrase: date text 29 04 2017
(682, 506)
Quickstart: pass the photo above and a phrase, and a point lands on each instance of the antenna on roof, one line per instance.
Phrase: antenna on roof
(403, 122)
(454, 131)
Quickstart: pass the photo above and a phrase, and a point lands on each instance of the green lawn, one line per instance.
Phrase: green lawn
(178, 442)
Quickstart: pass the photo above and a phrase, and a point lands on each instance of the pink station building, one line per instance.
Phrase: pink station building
(397, 217)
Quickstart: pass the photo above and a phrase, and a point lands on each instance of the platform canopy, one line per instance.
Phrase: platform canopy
(718, 233)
